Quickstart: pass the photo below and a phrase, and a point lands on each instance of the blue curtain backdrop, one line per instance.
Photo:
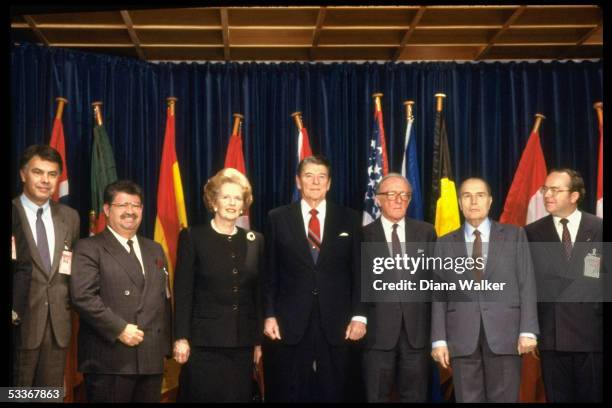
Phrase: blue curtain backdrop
(489, 112)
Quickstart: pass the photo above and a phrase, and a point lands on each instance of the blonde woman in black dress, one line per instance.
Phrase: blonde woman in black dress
(218, 326)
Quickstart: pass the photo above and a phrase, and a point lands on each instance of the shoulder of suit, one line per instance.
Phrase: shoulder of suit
(590, 218)
(279, 211)
(539, 223)
(412, 223)
(449, 235)
(66, 211)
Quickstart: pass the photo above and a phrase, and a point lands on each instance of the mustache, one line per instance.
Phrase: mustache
(133, 216)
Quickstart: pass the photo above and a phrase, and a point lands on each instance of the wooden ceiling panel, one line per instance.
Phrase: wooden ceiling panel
(559, 16)
(268, 54)
(301, 17)
(542, 36)
(365, 37)
(359, 54)
(206, 37)
(257, 37)
(182, 54)
(369, 17)
(65, 36)
(448, 37)
(442, 53)
(178, 17)
(97, 17)
(465, 17)
(539, 52)
(595, 38)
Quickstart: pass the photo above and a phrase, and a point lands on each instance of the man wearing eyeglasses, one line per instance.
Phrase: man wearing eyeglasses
(397, 344)
(120, 289)
(571, 342)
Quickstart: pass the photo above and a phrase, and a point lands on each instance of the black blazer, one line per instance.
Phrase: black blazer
(576, 326)
(21, 267)
(385, 318)
(217, 288)
(291, 279)
(109, 291)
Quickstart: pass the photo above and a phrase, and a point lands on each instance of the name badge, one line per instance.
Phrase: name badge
(13, 248)
(591, 265)
(66, 262)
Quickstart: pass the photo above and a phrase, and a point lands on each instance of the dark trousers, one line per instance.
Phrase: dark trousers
(123, 388)
(572, 377)
(406, 367)
(217, 374)
(41, 367)
(485, 376)
(310, 371)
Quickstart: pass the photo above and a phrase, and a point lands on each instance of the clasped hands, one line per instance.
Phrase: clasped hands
(354, 331)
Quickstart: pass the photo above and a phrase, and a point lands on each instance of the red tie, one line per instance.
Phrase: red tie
(314, 234)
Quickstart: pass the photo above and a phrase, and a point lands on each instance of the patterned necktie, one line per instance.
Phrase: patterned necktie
(314, 235)
(41, 241)
(395, 241)
(133, 255)
(566, 239)
(477, 253)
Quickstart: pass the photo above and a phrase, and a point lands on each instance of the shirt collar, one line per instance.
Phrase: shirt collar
(573, 218)
(388, 225)
(484, 228)
(306, 209)
(29, 204)
(122, 239)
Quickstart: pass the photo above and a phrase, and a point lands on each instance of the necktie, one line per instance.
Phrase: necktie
(41, 241)
(133, 255)
(396, 247)
(314, 235)
(477, 253)
(566, 238)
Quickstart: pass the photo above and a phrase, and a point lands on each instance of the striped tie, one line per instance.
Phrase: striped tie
(566, 239)
(314, 235)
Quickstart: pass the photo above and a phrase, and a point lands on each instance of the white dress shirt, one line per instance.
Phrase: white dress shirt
(573, 222)
(388, 229)
(30, 211)
(123, 241)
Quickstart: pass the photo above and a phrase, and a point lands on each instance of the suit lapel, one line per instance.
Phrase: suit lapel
(25, 226)
(60, 231)
(128, 264)
(330, 230)
(296, 225)
(150, 269)
(496, 240)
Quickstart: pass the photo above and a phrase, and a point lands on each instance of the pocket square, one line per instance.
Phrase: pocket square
(343, 234)
(420, 251)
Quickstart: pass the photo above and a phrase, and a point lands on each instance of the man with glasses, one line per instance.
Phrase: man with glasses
(397, 344)
(571, 342)
(481, 336)
(120, 289)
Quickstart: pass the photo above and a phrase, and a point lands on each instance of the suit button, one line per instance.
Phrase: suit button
(229, 238)
(46, 303)
(315, 291)
(233, 255)
(126, 293)
(235, 289)
(234, 307)
(235, 271)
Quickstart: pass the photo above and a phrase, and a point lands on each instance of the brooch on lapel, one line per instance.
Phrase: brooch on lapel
(251, 236)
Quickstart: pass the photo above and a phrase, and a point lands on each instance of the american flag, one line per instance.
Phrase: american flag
(378, 166)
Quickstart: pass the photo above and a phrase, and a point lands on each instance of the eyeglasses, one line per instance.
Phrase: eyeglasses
(125, 206)
(553, 190)
(392, 195)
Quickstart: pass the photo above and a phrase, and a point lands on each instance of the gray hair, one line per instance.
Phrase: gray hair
(392, 175)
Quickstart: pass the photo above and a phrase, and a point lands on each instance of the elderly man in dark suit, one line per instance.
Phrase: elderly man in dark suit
(397, 343)
(483, 339)
(571, 342)
(50, 230)
(120, 289)
(311, 291)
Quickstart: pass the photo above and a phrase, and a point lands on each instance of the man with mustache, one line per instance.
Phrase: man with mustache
(42, 319)
(120, 289)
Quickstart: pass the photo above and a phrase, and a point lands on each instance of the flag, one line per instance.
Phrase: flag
(57, 142)
(524, 205)
(524, 202)
(444, 208)
(378, 165)
(303, 151)
(410, 170)
(103, 172)
(234, 158)
(600, 171)
(171, 218)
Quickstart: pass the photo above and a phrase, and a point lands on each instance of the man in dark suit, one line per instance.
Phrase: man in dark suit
(50, 230)
(571, 342)
(311, 291)
(397, 343)
(120, 289)
(483, 339)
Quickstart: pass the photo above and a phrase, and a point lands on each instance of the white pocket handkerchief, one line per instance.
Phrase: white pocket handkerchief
(420, 251)
(343, 234)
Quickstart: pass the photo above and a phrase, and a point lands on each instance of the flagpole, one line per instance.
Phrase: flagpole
(298, 120)
(598, 106)
(439, 99)
(171, 101)
(97, 107)
(237, 119)
(538, 121)
(409, 115)
(60, 107)
(377, 97)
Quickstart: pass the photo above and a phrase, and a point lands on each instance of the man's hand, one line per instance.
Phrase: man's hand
(181, 351)
(271, 328)
(256, 355)
(526, 345)
(131, 335)
(355, 330)
(440, 354)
